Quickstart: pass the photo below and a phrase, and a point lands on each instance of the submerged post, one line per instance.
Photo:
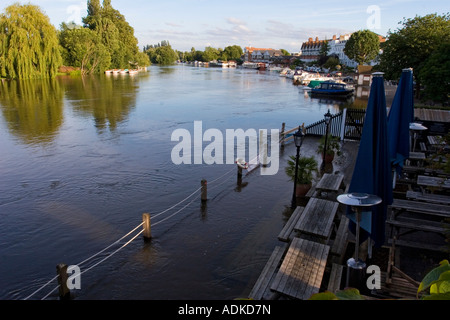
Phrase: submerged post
(204, 190)
(64, 292)
(147, 226)
(283, 135)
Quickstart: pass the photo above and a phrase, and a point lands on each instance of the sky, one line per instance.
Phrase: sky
(284, 24)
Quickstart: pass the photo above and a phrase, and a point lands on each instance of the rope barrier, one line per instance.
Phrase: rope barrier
(132, 239)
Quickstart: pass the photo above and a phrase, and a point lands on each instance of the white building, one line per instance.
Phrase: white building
(311, 50)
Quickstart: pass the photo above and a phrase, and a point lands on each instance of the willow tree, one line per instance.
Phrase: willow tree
(29, 46)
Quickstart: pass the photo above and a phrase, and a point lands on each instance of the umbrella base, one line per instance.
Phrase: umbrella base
(356, 274)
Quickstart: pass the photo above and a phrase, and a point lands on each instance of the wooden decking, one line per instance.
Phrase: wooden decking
(296, 269)
(432, 115)
(300, 275)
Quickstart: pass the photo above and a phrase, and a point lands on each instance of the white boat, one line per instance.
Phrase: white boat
(250, 65)
(134, 71)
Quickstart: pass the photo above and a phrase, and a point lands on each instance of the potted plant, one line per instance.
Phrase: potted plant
(333, 148)
(307, 167)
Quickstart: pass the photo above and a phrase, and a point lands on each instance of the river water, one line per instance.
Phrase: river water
(81, 159)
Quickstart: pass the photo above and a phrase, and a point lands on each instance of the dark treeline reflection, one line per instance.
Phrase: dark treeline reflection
(108, 99)
(32, 109)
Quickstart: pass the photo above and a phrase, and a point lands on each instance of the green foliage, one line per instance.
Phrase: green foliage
(332, 63)
(115, 34)
(363, 46)
(307, 167)
(435, 74)
(232, 53)
(83, 48)
(333, 145)
(412, 45)
(162, 53)
(438, 283)
(210, 54)
(29, 47)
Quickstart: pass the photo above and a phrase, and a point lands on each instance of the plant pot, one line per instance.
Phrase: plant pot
(302, 189)
(328, 158)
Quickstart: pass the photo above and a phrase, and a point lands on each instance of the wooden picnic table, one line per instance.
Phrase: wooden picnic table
(417, 157)
(413, 216)
(300, 275)
(437, 182)
(330, 182)
(317, 218)
(436, 141)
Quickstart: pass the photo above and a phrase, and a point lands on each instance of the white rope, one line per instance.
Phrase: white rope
(173, 214)
(104, 259)
(41, 288)
(93, 256)
(158, 214)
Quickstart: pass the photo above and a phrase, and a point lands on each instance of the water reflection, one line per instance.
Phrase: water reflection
(32, 109)
(109, 100)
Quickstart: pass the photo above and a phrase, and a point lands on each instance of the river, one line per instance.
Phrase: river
(83, 158)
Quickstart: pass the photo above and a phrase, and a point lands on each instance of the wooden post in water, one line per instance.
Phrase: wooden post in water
(147, 226)
(204, 184)
(239, 175)
(64, 292)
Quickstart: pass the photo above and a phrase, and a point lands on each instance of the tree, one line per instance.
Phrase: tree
(161, 53)
(29, 45)
(435, 74)
(210, 54)
(331, 63)
(363, 46)
(412, 45)
(232, 53)
(115, 33)
(83, 48)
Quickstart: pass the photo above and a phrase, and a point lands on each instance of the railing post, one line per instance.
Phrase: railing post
(344, 120)
(204, 184)
(282, 134)
(147, 226)
(64, 292)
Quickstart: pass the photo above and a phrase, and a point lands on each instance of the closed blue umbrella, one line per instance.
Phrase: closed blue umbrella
(372, 173)
(401, 115)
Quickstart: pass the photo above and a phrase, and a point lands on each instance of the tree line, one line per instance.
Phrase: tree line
(31, 47)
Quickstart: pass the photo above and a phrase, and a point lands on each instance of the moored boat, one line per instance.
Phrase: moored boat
(331, 88)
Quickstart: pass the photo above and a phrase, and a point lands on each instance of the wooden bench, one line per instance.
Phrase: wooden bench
(334, 283)
(341, 240)
(439, 210)
(413, 225)
(261, 290)
(289, 226)
(428, 197)
(301, 273)
(330, 183)
(317, 218)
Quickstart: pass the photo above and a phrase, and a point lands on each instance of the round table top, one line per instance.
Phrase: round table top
(359, 199)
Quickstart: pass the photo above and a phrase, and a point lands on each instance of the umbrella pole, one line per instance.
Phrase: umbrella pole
(358, 219)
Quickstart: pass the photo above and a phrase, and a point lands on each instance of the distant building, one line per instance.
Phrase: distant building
(252, 54)
(311, 49)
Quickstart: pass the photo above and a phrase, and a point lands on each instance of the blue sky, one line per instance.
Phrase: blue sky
(284, 24)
